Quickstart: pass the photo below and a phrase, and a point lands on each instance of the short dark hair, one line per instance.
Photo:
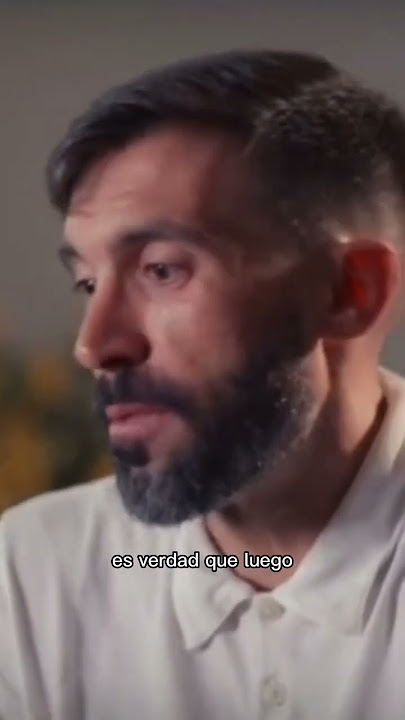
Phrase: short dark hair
(324, 146)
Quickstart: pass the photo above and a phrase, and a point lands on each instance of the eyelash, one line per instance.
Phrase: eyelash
(172, 266)
(83, 284)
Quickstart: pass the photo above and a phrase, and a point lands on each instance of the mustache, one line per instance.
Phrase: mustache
(129, 387)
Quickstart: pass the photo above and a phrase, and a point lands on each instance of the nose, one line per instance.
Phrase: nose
(109, 337)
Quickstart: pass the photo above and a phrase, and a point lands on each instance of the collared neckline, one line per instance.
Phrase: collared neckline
(203, 599)
(333, 582)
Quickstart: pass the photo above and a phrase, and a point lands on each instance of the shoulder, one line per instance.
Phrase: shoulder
(56, 504)
(76, 531)
(57, 517)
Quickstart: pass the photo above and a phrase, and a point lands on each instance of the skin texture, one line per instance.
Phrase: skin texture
(306, 331)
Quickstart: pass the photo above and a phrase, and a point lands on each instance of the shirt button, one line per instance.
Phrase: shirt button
(271, 610)
(273, 692)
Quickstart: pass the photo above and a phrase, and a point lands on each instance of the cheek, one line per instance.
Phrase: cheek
(193, 339)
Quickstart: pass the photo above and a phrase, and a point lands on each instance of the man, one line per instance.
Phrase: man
(235, 224)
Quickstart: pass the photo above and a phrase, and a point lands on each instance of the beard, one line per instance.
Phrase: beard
(256, 419)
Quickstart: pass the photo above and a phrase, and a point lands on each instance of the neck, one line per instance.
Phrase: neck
(284, 515)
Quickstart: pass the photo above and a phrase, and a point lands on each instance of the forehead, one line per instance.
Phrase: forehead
(175, 172)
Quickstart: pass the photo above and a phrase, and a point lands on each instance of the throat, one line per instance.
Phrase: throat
(265, 560)
(272, 531)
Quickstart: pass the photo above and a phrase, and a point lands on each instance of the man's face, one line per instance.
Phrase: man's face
(194, 328)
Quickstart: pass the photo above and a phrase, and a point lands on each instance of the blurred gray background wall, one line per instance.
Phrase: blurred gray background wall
(57, 56)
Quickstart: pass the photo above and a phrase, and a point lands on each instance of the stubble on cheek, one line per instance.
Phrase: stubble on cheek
(204, 342)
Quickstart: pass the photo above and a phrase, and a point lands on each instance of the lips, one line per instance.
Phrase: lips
(131, 421)
(122, 411)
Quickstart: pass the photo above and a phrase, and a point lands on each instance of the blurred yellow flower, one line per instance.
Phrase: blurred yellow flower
(25, 467)
(49, 379)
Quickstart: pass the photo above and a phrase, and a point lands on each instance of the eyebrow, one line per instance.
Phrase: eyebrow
(138, 237)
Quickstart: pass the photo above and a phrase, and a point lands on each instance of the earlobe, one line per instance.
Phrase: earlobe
(343, 324)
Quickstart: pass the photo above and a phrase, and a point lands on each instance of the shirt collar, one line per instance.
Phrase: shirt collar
(203, 599)
(333, 584)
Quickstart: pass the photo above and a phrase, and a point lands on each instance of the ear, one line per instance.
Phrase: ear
(368, 272)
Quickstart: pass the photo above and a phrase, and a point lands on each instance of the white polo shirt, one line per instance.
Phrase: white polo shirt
(82, 640)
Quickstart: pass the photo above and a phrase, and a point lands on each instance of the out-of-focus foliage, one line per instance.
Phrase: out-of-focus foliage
(49, 434)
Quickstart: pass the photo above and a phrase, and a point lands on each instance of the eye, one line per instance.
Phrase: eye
(84, 286)
(166, 273)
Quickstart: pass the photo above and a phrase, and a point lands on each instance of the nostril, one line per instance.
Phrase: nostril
(111, 354)
(116, 362)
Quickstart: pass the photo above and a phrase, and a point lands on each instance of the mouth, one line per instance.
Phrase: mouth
(134, 421)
